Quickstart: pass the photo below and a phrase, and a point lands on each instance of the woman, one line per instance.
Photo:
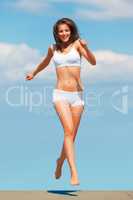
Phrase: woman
(67, 96)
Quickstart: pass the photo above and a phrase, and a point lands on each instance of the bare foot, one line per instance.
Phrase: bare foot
(74, 180)
(58, 169)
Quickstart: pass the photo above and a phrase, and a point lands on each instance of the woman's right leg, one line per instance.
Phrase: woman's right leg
(76, 112)
(64, 112)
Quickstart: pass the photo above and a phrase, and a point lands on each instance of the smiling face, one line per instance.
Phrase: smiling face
(64, 32)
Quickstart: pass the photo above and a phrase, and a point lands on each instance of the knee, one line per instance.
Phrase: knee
(69, 131)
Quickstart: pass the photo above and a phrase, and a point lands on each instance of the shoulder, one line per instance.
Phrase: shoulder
(51, 48)
(76, 43)
(80, 43)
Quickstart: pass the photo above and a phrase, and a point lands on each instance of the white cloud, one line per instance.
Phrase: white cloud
(111, 66)
(102, 9)
(107, 10)
(32, 6)
(86, 9)
(18, 59)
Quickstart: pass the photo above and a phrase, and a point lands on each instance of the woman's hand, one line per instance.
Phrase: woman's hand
(29, 76)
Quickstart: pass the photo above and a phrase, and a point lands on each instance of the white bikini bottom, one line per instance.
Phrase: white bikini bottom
(74, 98)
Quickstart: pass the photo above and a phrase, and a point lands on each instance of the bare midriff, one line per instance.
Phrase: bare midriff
(68, 78)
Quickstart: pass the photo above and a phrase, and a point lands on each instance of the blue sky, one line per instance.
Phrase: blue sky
(104, 142)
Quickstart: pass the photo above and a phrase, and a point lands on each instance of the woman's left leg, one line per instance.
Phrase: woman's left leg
(76, 116)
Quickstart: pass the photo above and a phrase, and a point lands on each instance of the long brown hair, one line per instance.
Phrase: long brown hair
(73, 28)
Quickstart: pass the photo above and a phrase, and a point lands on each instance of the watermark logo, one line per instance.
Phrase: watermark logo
(122, 95)
(33, 99)
(18, 96)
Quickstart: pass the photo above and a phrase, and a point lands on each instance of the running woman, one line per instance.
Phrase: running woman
(68, 93)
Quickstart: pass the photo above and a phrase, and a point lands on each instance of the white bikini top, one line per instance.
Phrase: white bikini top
(72, 58)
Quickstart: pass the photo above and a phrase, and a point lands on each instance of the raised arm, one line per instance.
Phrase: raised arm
(85, 51)
(44, 63)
